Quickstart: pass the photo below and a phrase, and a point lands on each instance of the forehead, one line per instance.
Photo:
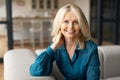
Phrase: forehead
(70, 15)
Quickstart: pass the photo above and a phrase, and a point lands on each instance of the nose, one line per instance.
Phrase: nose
(71, 25)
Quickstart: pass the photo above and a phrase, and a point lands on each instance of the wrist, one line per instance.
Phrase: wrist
(54, 46)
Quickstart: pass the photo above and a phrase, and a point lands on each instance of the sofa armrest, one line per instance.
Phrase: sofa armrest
(17, 63)
(41, 78)
(109, 60)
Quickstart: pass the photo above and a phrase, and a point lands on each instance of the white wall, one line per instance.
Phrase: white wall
(26, 9)
(63, 2)
(85, 6)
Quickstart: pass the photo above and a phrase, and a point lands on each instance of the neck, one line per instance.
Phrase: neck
(70, 46)
(69, 43)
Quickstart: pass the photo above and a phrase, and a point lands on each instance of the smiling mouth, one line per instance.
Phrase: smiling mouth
(70, 32)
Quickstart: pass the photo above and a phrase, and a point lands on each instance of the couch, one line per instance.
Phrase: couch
(18, 61)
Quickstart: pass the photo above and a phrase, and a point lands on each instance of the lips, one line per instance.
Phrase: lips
(70, 31)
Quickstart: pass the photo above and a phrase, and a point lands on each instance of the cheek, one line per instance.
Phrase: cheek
(78, 28)
(62, 27)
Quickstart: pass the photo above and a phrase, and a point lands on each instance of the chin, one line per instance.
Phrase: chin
(70, 36)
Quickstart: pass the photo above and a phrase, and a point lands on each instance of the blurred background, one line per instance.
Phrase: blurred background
(28, 23)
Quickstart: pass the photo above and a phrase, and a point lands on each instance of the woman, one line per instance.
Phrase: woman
(75, 53)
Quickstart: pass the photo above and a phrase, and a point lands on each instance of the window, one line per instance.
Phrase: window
(41, 4)
(55, 4)
(34, 4)
(48, 4)
(44, 4)
(110, 20)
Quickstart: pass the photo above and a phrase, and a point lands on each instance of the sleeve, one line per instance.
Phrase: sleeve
(43, 63)
(93, 69)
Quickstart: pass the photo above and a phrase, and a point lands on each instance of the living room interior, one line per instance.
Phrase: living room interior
(26, 24)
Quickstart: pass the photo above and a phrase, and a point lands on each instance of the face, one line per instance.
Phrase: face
(70, 27)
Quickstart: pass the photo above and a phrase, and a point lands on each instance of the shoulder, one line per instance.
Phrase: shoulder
(89, 44)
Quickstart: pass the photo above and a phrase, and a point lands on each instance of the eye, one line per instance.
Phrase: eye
(75, 22)
(66, 21)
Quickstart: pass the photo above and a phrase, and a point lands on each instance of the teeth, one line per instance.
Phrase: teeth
(70, 31)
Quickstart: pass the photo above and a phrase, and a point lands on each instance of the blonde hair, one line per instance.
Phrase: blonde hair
(84, 28)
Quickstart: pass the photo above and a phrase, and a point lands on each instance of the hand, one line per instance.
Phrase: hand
(57, 40)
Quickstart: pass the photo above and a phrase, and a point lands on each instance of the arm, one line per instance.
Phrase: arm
(43, 63)
(93, 69)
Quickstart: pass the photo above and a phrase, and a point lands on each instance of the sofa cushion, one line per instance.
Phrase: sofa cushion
(41, 78)
(114, 78)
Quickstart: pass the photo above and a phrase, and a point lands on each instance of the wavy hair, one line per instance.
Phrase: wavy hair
(84, 27)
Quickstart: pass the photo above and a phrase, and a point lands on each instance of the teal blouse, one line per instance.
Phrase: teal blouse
(84, 65)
